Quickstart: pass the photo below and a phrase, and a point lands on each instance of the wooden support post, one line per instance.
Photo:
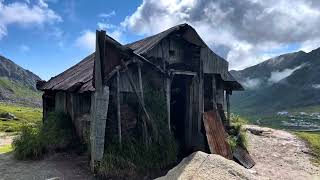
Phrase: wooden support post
(150, 121)
(201, 105)
(99, 109)
(214, 91)
(168, 98)
(144, 125)
(228, 107)
(118, 108)
(140, 83)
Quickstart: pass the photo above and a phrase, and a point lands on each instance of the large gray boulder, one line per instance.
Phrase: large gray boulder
(200, 165)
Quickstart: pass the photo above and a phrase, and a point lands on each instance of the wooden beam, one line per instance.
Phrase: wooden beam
(140, 83)
(118, 108)
(140, 100)
(214, 91)
(189, 73)
(228, 107)
(168, 99)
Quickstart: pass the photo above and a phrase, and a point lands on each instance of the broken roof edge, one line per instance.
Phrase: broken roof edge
(233, 84)
(143, 46)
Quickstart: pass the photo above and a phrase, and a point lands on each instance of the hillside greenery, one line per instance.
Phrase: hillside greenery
(18, 92)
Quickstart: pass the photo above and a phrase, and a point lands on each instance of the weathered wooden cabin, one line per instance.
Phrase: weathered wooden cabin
(102, 92)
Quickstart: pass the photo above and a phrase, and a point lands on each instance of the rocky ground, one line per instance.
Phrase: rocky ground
(278, 155)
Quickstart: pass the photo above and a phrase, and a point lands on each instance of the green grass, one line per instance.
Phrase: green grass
(313, 140)
(237, 136)
(55, 134)
(25, 115)
(5, 148)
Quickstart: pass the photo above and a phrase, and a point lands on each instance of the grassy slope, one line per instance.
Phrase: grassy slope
(24, 114)
(19, 91)
(313, 139)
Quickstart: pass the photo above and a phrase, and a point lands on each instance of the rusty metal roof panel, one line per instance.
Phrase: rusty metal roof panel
(243, 157)
(216, 134)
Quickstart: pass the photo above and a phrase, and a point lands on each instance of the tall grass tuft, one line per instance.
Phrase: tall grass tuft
(56, 133)
(237, 136)
(135, 157)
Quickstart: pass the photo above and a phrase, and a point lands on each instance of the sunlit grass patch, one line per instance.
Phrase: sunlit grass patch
(313, 140)
(5, 148)
(25, 115)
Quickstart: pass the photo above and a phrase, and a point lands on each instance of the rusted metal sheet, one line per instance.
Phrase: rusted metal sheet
(216, 134)
(243, 157)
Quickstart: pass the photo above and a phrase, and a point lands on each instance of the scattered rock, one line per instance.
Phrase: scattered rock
(200, 165)
(8, 116)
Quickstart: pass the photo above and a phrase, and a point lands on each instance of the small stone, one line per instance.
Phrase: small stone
(8, 116)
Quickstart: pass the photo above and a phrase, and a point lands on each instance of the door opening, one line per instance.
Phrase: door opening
(180, 96)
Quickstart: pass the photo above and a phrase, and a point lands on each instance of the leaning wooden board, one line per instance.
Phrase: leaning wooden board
(216, 134)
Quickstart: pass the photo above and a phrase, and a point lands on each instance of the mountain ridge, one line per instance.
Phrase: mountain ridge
(18, 85)
(279, 83)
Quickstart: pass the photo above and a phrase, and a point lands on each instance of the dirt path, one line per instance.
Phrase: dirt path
(280, 155)
(60, 166)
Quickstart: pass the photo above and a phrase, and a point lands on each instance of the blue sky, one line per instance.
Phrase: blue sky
(49, 49)
(48, 36)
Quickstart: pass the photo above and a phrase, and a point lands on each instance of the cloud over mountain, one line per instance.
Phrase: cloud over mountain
(245, 32)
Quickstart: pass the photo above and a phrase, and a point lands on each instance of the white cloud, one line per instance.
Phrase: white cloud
(86, 41)
(316, 86)
(105, 26)
(245, 32)
(107, 15)
(251, 83)
(24, 48)
(24, 14)
(277, 76)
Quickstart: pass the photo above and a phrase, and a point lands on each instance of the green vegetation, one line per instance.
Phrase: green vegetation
(313, 140)
(25, 115)
(142, 155)
(19, 90)
(5, 148)
(35, 140)
(237, 136)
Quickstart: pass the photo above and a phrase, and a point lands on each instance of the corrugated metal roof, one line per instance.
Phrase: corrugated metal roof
(216, 134)
(144, 45)
(78, 76)
(231, 82)
(243, 156)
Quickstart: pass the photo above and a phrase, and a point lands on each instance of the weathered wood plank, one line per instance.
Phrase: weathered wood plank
(119, 108)
(99, 109)
(168, 99)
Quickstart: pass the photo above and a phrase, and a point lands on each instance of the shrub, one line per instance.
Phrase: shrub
(237, 136)
(29, 144)
(55, 133)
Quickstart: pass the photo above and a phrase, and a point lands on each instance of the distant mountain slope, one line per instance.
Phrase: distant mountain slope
(18, 85)
(280, 83)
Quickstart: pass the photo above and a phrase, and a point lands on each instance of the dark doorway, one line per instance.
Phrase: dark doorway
(180, 96)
